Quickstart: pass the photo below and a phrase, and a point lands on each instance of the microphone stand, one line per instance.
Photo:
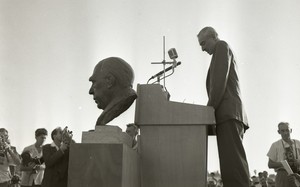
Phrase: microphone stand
(164, 64)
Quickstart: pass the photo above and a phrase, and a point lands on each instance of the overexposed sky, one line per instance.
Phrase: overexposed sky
(48, 50)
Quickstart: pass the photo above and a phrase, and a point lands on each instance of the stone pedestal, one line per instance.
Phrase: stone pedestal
(106, 134)
(104, 158)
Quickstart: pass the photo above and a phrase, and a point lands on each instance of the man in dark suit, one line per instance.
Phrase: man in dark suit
(56, 157)
(224, 95)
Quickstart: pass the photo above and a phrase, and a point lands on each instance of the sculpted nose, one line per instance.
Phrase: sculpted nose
(91, 91)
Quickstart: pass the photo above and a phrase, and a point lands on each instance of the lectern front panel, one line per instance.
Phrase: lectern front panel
(174, 156)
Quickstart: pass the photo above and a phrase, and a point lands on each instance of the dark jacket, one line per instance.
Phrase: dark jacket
(56, 172)
(223, 87)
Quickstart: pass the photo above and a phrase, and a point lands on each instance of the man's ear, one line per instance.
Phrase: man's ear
(110, 80)
(278, 131)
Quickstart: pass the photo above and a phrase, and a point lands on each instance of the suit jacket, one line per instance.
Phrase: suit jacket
(56, 172)
(222, 85)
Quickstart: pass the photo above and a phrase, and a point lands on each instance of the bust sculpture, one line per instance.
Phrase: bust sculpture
(111, 88)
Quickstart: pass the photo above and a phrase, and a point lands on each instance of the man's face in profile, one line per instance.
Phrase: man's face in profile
(58, 135)
(131, 131)
(99, 88)
(207, 44)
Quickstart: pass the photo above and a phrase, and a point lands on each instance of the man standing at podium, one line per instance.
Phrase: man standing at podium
(223, 90)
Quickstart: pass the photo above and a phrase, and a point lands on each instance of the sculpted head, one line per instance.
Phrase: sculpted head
(111, 88)
(110, 77)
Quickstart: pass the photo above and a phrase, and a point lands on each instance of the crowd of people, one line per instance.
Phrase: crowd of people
(40, 165)
(262, 179)
(285, 150)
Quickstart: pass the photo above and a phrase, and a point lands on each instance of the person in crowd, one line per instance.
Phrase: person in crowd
(224, 96)
(56, 157)
(284, 149)
(213, 178)
(220, 183)
(269, 181)
(262, 179)
(8, 157)
(111, 88)
(132, 131)
(33, 166)
(211, 184)
(255, 181)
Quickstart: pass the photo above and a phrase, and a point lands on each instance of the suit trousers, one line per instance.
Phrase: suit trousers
(233, 162)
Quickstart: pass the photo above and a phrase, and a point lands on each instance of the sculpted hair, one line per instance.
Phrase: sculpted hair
(120, 69)
(209, 32)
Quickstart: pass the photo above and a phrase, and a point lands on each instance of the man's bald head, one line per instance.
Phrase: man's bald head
(110, 77)
(117, 67)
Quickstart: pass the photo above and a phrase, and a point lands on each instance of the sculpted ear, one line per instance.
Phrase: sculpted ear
(110, 80)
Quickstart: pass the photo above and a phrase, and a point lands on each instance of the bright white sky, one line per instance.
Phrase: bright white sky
(48, 50)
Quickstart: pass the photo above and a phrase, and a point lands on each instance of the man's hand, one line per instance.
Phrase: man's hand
(63, 146)
(296, 175)
(292, 177)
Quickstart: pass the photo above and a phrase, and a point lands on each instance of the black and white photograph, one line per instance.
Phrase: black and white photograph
(149, 93)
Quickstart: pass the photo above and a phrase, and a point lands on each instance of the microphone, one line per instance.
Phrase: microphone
(168, 69)
(172, 53)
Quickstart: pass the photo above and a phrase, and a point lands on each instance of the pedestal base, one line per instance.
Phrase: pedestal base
(107, 165)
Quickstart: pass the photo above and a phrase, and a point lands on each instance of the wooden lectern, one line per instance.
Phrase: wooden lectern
(173, 141)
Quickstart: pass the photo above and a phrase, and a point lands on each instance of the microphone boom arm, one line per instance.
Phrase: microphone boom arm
(164, 71)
